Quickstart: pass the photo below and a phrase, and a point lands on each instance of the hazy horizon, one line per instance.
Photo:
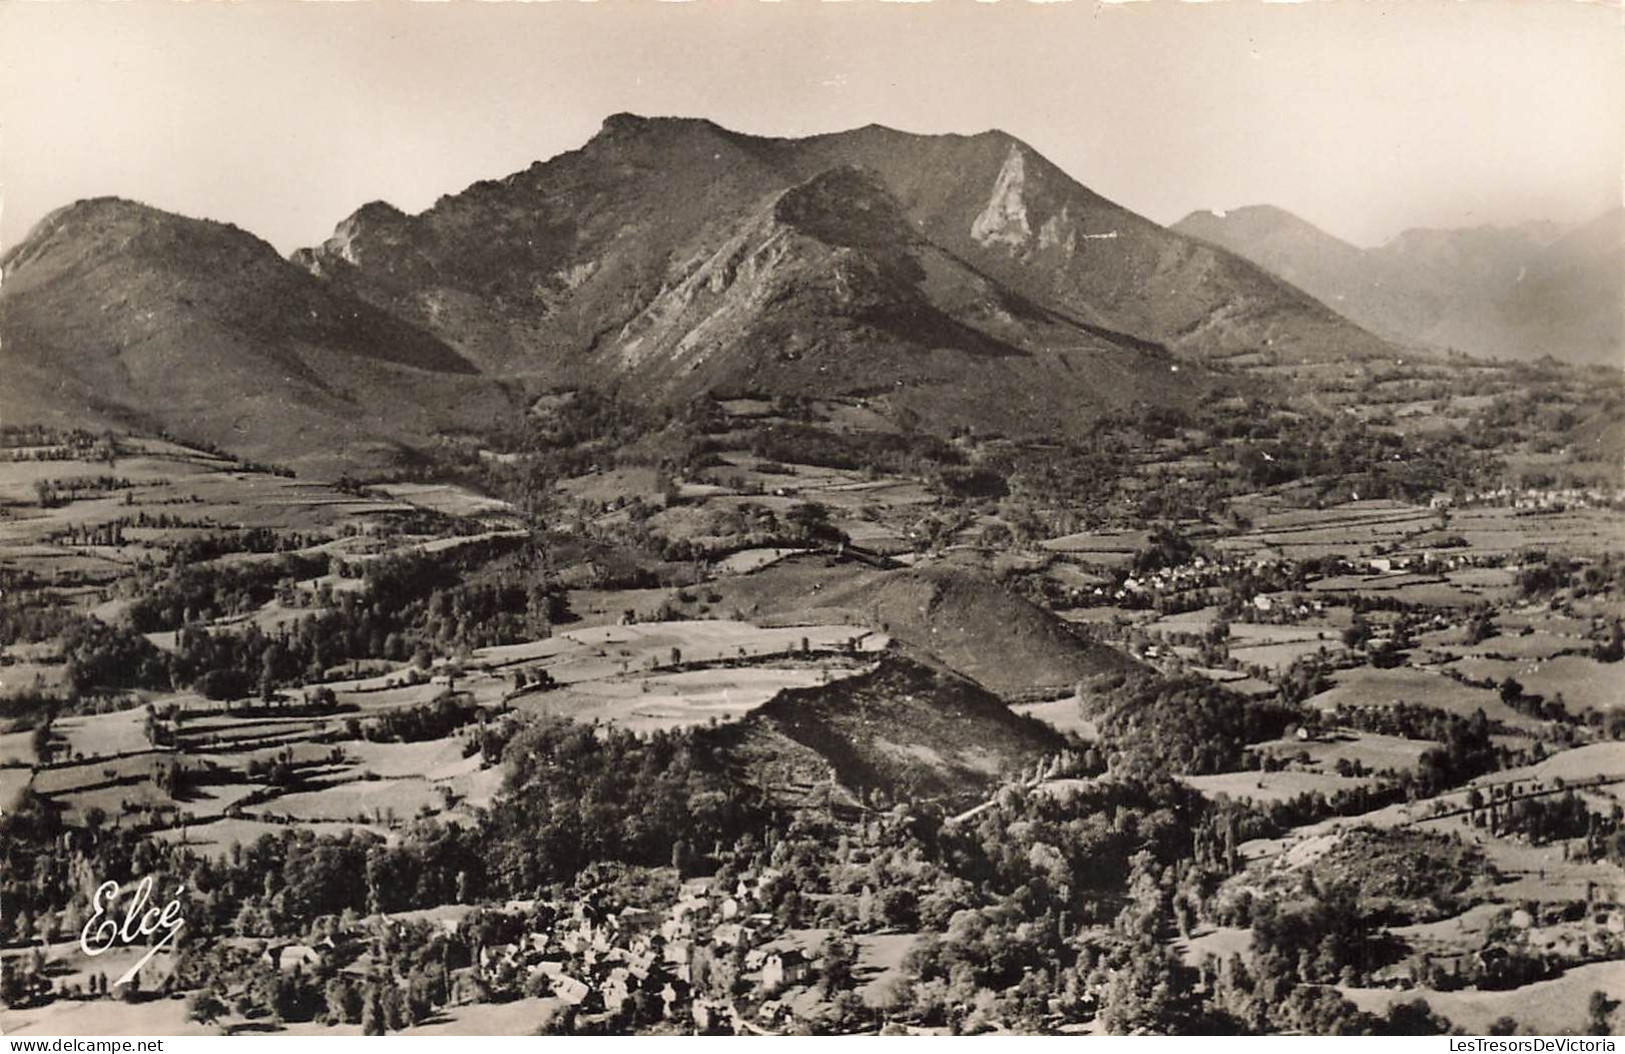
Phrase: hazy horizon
(283, 118)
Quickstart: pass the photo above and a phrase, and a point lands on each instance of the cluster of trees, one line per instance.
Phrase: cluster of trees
(580, 794)
(414, 724)
(1540, 410)
(1013, 956)
(917, 454)
(1281, 815)
(1466, 747)
(1554, 818)
(1187, 725)
(74, 444)
(1070, 855)
(217, 543)
(748, 524)
(189, 593)
(106, 657)
(1339, 452)
(571, 434)
(479, 594)
(31, 618)
(1514, 694)
(230, 980)
(1166, 547)
(410, 606)
(54, 493)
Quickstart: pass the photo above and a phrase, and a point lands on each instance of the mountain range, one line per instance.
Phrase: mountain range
(962, 281)
(1519, 292)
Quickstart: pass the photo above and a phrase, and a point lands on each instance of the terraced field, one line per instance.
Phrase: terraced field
(1369, 686)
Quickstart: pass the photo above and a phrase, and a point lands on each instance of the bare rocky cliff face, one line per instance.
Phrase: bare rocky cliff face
(677, 256)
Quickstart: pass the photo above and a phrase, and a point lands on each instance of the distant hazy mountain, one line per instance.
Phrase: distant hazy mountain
(1573, 295)
(1512, 292)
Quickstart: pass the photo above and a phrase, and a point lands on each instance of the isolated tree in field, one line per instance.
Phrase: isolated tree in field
(40, 741)
(12, 986)
(205, 1008)
(372, 1014)
(1613, 649)
(1599, 1011)
(839, 967)
(681, 856)
(344, 1001)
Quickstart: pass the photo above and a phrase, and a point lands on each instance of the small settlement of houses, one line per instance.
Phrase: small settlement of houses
(600, 961)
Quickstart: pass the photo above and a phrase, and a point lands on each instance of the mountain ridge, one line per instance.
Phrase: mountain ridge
(962, 281)
(988, 199)
(1467, 289)
(120, 314)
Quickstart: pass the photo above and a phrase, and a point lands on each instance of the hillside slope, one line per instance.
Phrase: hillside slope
(830, 290)
(113, 313)
(908, 728)
(971, 624)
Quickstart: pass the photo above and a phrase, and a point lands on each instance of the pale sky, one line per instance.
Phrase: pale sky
(283, 117)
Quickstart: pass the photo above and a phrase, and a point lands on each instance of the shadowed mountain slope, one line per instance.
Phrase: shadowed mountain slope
(907, 727)
(113, 313)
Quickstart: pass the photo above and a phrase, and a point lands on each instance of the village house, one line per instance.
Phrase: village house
(710, 1015)
(637, 920)
(552, 969)
(732, 934)
(679, 955)
(290, 957)
(673, 995)
(618, 989)
(784, 968)
(572, 991)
